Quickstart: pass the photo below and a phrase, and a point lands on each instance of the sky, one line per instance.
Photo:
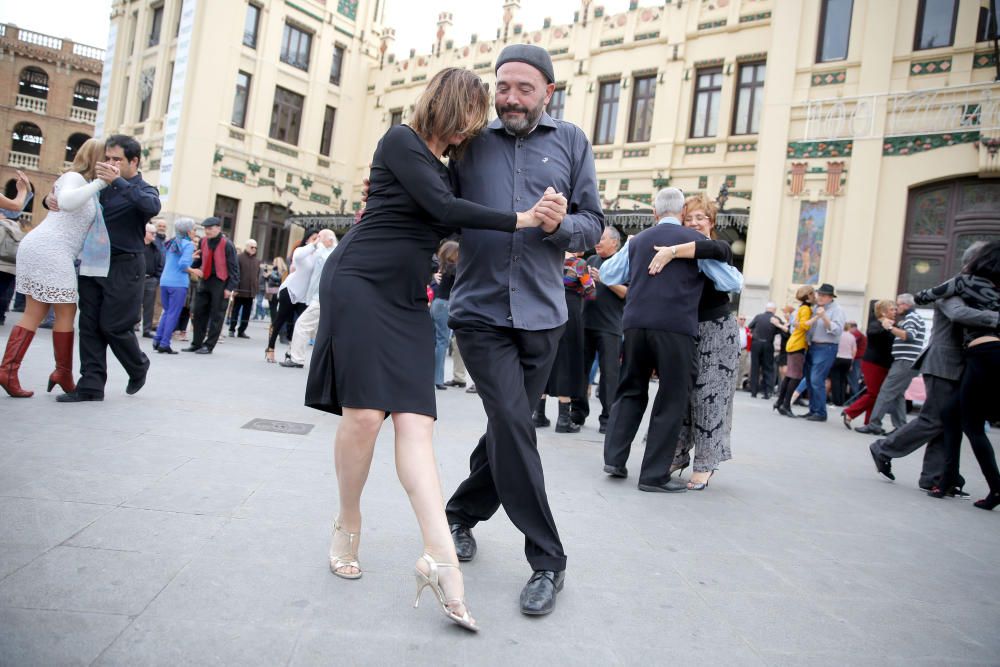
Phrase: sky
(86, 21)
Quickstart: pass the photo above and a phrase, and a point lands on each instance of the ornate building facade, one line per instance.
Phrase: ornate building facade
(854, 141)
(48, 107)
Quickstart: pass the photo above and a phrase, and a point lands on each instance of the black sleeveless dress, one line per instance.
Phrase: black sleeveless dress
(375, 343)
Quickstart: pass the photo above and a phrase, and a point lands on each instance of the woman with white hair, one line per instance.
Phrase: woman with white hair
(174, 282)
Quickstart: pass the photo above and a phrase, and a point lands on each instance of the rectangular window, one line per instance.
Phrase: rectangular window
(557, 103)
(986, 30)
(935, 24)
(749, 98)
(707, 93)
(286, 116)
(640, 119)
(155, 25)
(326, 140)
(295, 47)
(226, 210)
(607, 111)
(251, 23)
(834, 30)
(337, 65)
(240, 102)
(395, 117)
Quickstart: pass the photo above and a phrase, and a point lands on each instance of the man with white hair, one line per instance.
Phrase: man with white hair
(910, 333)
(764, 327)
(308, 322)
(661, 326)
(154, 267)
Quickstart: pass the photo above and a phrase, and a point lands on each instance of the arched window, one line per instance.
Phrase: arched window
(34, 83)
(85, 95)
(26, 138)
(73, 145)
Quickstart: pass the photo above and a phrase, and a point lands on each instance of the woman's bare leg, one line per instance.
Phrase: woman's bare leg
(34, 312)
(418, 473)
(65, 317)
(353, 450)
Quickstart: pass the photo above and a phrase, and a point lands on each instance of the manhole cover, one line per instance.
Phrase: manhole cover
(275, 426)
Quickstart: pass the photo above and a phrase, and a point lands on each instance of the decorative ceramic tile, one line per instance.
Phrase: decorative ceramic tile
(828, 78)
(801, 149)
(930, 67)
(909, 145)
(699, 150)
(742, 147)
(760, 16)
(708, 25)
(984, 60)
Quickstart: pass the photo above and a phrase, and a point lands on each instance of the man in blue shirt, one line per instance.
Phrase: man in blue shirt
(508, 308)
(110, 307)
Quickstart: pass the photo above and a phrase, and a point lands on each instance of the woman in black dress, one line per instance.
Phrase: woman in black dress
(374, 353)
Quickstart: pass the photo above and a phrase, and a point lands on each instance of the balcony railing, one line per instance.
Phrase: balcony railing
(39, 39)
(29, 103)
(23, 161)
(88, 116)
(85, 51)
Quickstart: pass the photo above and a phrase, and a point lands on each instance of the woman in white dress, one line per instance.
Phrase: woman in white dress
(46, 273)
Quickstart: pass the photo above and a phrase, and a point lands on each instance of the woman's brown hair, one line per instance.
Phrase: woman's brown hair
(702, 202)
(448, 253)
(803, 293)
(456, 101)
(87, 157)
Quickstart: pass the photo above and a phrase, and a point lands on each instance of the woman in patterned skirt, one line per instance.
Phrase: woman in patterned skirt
(707, 426)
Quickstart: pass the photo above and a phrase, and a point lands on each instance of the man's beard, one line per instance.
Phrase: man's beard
(520, 126)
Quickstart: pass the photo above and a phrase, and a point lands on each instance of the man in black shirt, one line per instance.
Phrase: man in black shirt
(602, 331)
(110, 307)
(764, 327)
(154, 268)
(218, 267)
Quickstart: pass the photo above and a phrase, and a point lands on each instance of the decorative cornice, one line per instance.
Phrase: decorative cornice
(804, 149)
(909, 145)
(923, 67)
(828, 78)
(48, 55)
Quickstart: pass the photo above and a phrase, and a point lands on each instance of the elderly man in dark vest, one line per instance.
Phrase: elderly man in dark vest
(661, 328)
(218, 267)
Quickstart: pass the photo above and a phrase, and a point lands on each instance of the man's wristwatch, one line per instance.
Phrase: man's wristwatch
(673, 251)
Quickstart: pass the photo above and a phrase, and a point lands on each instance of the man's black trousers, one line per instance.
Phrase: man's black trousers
(673, 357)
(929, 428)
(208, 312)
(510, 368)
(607, 347)
(243, 306)
(109, 309)
(762, 367)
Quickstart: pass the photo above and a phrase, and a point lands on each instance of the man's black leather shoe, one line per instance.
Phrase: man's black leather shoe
(191, 348)
(203, 350)
(815, 418)
(135, 384)
(616, 471)
(454, 383)
(882, 463)
(288, 363)
(670, 486)
(77, 397)
(243, 335)
(870, 428)
(538, 597)
(465, 543)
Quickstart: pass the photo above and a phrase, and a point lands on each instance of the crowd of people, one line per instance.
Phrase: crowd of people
(513, 272)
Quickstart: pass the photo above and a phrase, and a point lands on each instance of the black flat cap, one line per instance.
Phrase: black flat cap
(211, 222)
(535, 56)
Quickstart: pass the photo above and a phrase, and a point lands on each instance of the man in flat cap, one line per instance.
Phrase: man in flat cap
(218, 266)
(508, 309)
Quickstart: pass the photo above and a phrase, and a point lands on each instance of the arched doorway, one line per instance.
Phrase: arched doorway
(942, 220)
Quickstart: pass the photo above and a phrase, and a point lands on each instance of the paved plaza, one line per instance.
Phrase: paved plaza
(155, 530)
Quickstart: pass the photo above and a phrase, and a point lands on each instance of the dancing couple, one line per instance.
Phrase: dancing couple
(374, 354)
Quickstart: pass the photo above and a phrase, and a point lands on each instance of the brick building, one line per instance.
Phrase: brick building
(48, 106)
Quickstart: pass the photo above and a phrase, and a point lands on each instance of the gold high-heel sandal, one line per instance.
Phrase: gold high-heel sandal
(349, 559)
(431, 579)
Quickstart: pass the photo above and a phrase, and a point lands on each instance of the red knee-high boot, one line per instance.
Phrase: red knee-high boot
(62, 347)
(17, 345)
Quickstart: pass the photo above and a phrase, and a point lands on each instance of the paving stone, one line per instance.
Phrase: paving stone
(46, 638)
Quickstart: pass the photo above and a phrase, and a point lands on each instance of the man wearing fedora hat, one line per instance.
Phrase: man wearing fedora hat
(824, 338)
(508, 308)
